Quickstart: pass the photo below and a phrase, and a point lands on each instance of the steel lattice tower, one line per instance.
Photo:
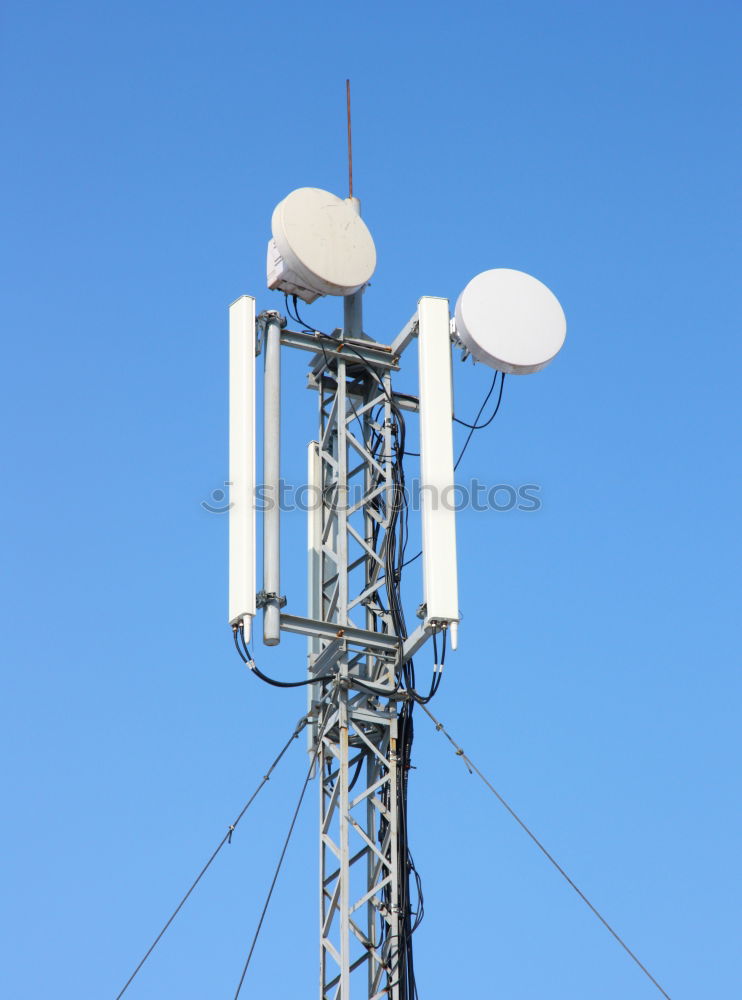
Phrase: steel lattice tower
(361, 682)
(357, 756)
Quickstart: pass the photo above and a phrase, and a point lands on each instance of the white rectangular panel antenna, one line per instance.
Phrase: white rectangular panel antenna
(440, 576)
(242, 463)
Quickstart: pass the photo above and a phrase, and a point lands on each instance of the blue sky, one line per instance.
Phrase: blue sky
(597, 680)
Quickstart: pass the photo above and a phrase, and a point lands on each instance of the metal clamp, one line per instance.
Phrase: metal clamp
(261, 321)
(263, 598)
(270, 315)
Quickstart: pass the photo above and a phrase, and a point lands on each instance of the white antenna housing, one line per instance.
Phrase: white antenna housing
(437, 489)
(320, 246)
(242, 463)
(510, 321)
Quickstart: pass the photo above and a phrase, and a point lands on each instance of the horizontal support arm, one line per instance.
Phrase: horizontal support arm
(331, 630)
(415, 642)
(405, 336)
(378, 355)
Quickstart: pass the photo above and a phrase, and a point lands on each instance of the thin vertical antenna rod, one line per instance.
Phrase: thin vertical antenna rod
(352, 304)
(350, 141)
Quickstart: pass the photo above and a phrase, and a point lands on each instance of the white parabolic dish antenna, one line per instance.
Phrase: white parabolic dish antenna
(323, 241)
(510, 321)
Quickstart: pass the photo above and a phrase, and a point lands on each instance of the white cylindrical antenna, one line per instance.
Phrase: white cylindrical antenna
(271, 474)
(314, 572)
(242, 463)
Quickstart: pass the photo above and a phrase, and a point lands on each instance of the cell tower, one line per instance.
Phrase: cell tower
(361, 679)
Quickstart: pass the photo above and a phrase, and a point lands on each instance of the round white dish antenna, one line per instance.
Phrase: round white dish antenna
(323, 244)
(510, 321)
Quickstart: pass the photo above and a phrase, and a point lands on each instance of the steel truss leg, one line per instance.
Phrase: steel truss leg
(357, 756)
(358, 854)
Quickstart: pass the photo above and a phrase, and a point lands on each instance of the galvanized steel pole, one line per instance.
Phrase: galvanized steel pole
(353, 304)
(271, 475)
